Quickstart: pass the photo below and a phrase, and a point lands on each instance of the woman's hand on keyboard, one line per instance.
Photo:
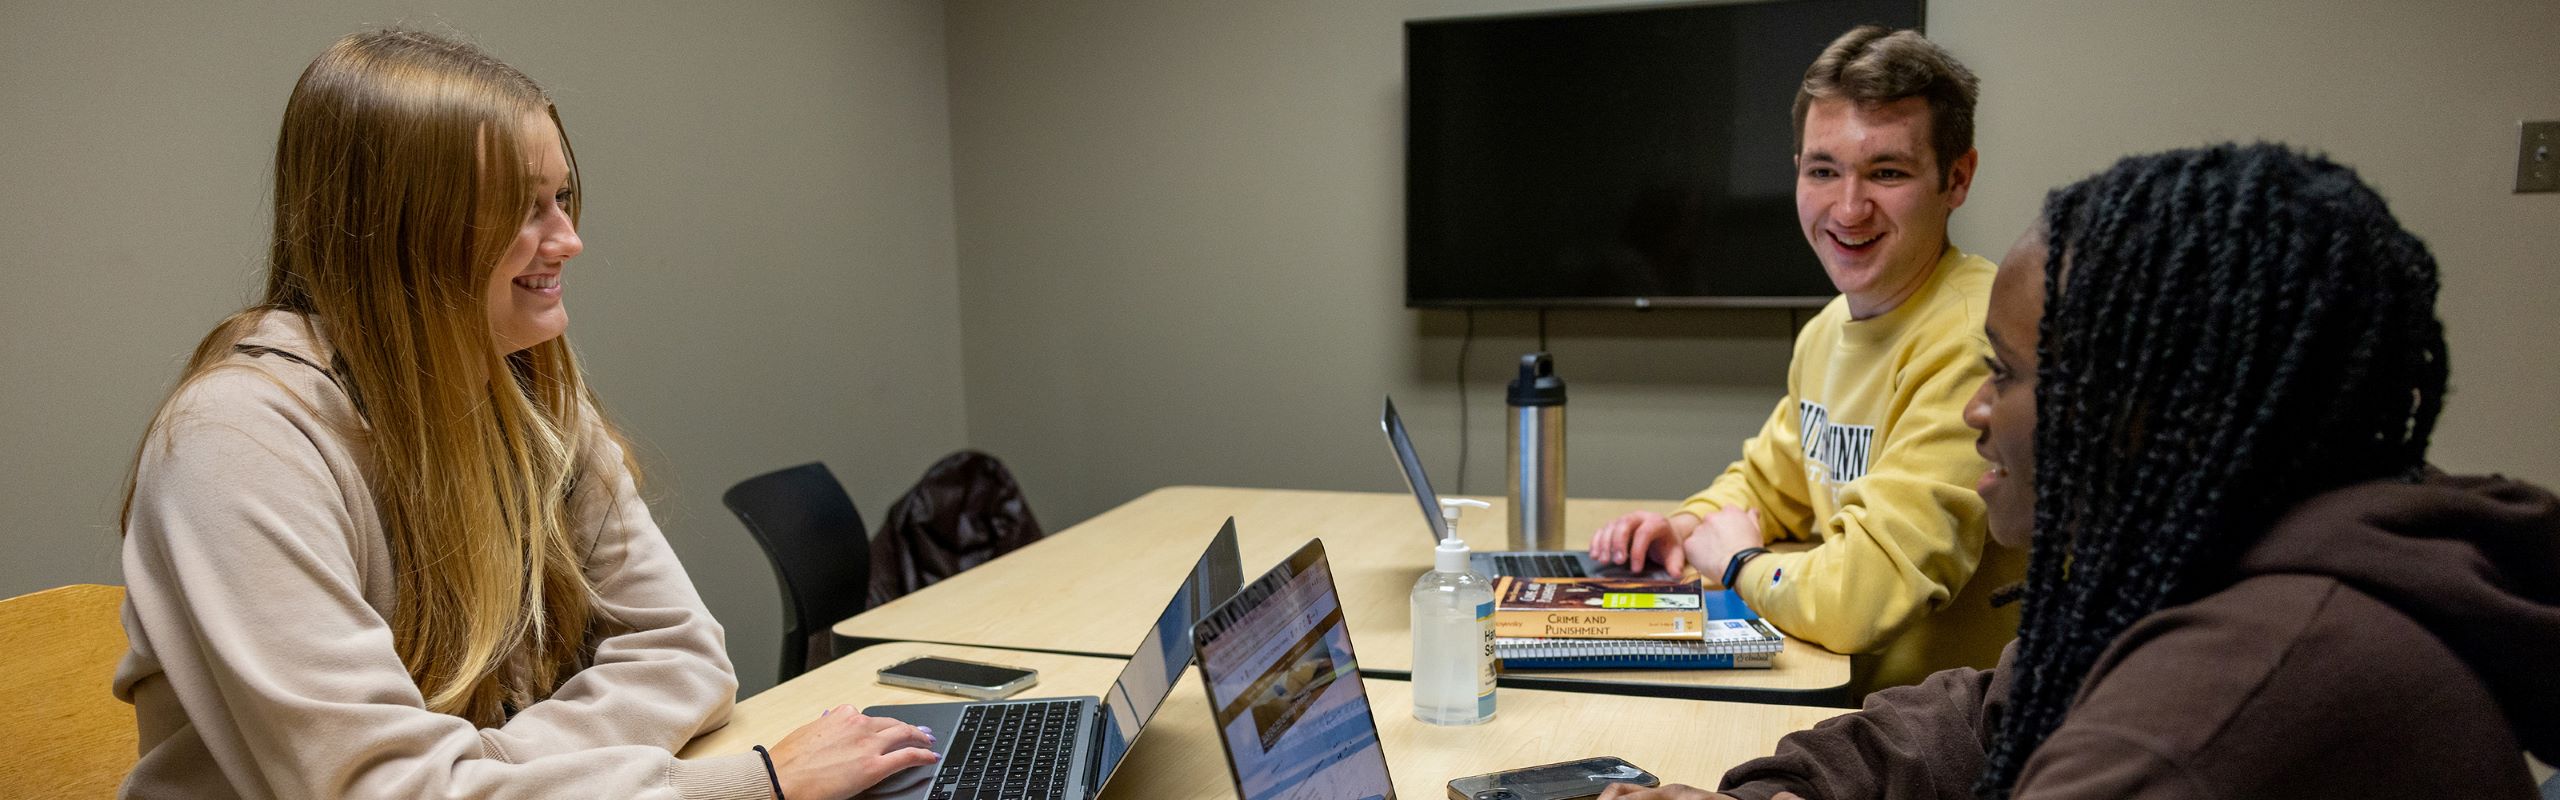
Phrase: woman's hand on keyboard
(844, 752)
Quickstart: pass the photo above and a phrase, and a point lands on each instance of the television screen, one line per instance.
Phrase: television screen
(1614, 158)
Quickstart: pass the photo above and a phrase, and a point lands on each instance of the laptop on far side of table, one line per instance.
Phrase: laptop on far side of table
(1517, 564)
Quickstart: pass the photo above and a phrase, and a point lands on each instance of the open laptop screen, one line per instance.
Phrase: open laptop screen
(1414, 480)
(1285, 690)
(1166, 650)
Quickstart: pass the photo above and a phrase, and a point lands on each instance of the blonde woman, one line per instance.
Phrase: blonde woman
(379, 541)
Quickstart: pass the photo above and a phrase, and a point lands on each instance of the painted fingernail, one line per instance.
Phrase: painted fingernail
(927, 731)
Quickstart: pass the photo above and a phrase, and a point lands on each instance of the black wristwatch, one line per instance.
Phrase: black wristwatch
(1733, 568)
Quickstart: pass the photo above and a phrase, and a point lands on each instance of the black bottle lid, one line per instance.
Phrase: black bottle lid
(1537, 384)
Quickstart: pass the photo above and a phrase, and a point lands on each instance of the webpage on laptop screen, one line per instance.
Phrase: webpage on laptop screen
(1288, 697)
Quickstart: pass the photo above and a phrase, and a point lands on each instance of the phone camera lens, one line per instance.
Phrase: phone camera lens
(1497, 794)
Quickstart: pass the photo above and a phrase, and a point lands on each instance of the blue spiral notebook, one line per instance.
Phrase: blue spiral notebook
(1735, 638)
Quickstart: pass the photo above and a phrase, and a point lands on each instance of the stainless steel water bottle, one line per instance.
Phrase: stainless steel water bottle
(1536, 457)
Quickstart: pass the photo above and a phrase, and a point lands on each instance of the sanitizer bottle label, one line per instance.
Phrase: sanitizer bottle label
(1484, 664)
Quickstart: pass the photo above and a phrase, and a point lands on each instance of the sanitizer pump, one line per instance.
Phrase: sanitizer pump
(1453, 633)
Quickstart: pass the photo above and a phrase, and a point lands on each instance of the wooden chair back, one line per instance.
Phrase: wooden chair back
(67, 735)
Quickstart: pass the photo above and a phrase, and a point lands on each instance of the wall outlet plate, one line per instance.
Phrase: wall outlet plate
(2538, 157)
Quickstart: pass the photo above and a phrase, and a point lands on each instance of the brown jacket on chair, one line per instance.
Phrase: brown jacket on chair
(964, 512)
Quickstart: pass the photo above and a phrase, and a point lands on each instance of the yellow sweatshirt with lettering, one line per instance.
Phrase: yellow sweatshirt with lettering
(1868, 458)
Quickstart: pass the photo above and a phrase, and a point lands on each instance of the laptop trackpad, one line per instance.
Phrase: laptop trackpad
(1651, 573)
(900, 782)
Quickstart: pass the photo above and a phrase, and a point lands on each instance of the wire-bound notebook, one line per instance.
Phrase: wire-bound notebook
(1734, 638)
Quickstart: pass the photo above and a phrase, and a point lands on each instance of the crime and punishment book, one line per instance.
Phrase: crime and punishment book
(1598, 608)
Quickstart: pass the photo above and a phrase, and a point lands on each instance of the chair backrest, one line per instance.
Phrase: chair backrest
(821, 555)
(67, 734)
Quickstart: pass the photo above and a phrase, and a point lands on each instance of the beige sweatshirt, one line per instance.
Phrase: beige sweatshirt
(258, 587)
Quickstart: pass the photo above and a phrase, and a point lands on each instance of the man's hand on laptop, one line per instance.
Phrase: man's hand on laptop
(1644, 537)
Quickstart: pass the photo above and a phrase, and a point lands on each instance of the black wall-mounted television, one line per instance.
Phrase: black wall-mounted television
(1621, 157)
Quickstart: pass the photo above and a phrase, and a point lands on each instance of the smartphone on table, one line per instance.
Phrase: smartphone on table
(1568, 780)
(957, 677)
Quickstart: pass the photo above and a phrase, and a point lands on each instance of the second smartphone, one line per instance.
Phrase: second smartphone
(957, 677)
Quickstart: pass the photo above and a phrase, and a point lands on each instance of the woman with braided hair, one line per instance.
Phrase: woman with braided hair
(2214, 377)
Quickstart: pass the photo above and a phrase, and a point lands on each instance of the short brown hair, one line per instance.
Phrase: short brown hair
(1871, 65)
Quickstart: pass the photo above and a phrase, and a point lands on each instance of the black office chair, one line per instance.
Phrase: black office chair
(821, 555)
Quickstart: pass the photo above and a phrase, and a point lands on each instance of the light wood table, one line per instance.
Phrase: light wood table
(1093, 589)
(1683, 741)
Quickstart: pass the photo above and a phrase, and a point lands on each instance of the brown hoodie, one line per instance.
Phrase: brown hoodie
(2382, 639)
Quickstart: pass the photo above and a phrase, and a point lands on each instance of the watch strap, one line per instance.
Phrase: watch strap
(1733, 568)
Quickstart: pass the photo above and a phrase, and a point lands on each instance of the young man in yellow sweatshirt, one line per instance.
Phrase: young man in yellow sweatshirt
(1867, 456)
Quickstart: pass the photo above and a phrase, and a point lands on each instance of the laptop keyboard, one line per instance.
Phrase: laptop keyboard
(1011, 751)
(1543, 565)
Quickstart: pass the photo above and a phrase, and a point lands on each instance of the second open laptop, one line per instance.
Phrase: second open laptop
(1065, 748)
(1285, 691)
(1518, 564)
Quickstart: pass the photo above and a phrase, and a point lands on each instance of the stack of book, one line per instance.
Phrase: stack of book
(1618, 623)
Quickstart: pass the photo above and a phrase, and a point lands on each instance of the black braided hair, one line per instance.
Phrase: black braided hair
(2227, 331)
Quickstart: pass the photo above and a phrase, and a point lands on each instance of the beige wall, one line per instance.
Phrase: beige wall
(768, 278)
(2422, 98)
(1180, 228)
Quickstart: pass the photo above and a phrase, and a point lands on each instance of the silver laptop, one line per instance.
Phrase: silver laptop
(1523, 564)
(1285, 691)
(1064, 748)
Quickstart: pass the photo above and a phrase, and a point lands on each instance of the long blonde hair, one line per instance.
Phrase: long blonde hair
(396, 193)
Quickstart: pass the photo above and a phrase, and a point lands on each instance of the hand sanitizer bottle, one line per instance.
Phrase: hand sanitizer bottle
(1453, 633)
